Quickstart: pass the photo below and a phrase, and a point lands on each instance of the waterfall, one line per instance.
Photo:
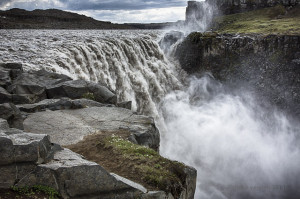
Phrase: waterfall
(129, 62)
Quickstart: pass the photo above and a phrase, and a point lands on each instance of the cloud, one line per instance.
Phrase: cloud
(110, 10)
(94, 4)
(138, 16)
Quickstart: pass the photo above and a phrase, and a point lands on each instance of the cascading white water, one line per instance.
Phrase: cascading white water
(239, 149)
(129, 62)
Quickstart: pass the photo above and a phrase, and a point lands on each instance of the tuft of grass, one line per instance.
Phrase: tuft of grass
(274, 20)
(154, 169)
(29, 191)
(89, 95)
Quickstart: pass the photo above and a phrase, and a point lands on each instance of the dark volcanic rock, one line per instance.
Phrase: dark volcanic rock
(170, 39)
(126, 104)
(30, 87)
(5, 96)
(12, 114)
(73, 176)
(4, 77)
(60, 104)
(8, 72)
(79, 88)
(24, 147)
(73, 89)
(33, 86)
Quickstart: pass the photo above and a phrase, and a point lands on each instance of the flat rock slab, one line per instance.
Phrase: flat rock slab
(75, 177)
(67, 127)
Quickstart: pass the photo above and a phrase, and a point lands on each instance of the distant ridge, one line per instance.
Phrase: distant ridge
(52, 19)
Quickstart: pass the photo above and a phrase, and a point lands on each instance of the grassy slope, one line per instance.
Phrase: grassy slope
(137, 163)
(275, 20)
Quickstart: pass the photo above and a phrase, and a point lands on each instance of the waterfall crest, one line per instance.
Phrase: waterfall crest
(129, 62)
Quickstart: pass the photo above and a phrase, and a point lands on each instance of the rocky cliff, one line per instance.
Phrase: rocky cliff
(267, 64)
(42, 111)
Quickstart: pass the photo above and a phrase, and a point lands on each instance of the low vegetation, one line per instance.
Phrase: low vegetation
(89, 95)
(274, 20)
(138, 163)
(35, 192)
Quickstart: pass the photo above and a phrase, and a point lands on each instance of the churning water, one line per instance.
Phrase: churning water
(239, 149)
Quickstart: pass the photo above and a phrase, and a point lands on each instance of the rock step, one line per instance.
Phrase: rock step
(70, 126)
(29, 87)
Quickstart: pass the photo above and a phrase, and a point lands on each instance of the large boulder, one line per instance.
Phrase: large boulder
(5, 96)
(30, 87)
(70, 126)
(79, 88)
(75, 177)
(34, 86)
(12, 114)
(3, 124)
(17, 147)
(8, 72)
(20, 153)
(4, 77)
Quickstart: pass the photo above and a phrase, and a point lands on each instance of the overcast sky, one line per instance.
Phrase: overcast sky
(119, 11)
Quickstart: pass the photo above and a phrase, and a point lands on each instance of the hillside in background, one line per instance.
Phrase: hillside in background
(52, 19)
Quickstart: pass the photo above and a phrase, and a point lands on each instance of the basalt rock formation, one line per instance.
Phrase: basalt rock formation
(268, 64)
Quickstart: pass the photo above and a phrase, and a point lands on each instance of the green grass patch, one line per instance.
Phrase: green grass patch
(152, 168)
(274, 20)
(31, 191)
(89, 95)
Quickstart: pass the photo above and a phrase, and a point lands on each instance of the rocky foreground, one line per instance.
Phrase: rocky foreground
(41, 112)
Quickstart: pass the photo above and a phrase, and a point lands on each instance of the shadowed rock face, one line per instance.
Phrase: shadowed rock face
(266, 64)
